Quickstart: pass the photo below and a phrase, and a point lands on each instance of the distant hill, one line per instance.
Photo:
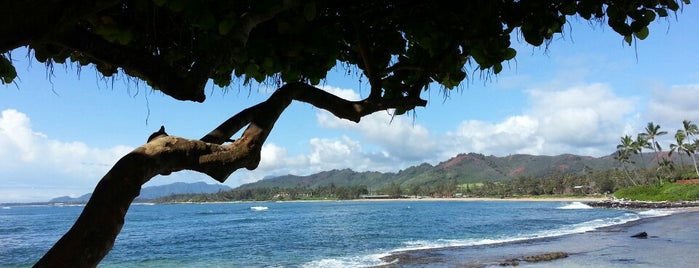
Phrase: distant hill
(152, 192)
(465, 168)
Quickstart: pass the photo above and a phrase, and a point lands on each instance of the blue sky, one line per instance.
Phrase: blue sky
(60, 132)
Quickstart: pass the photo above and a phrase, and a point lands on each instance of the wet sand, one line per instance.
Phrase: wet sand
(673, 241)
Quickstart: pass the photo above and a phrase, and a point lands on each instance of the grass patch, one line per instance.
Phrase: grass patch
(665, 192)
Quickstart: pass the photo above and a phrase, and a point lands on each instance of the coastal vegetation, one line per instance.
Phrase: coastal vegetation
(475, 175)
(667, 168)
(667, 192)
(596, 183)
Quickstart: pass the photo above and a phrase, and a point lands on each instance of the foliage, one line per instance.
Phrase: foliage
(176, 46)
(275, 193)
(656, 192)
(462, 169)
(666, 166)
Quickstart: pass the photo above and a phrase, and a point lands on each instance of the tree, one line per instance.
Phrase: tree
(623, 154)
(680, 146)
(393, 190)
(652, 133)
(641, 142)
(176, 46)
(690, 129)
(683, 147)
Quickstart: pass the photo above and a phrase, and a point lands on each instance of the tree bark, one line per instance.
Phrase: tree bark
(92, 236)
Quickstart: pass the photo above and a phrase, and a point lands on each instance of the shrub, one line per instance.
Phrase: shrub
(665, 192)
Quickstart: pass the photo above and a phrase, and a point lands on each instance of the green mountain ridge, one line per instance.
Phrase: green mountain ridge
(464, 168)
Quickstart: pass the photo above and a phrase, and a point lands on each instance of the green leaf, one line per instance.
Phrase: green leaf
(628, 39)
(478, 56)
(642, 34)
(649, 15)
(497, 68)
(314, 80)
(531, 34)
(7, 71)
(509, 53)
(672, 5)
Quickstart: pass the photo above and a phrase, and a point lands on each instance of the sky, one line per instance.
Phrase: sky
(61, 129)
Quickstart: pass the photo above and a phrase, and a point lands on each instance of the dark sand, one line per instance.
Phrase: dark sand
(673, 241)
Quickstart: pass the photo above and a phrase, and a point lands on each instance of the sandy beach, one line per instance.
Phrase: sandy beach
(672, 241)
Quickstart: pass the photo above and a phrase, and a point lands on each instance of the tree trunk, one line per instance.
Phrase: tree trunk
(93, 234)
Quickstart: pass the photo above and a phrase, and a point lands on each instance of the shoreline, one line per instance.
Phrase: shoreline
(490, 199)
(668, 239)
(582, 199)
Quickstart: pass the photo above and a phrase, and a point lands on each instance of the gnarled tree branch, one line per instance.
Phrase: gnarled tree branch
(94, 233)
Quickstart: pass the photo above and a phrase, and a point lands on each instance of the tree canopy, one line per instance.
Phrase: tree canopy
(401, 47)
(178, 46)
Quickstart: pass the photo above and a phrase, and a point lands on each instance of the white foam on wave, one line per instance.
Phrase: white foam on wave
(655, 213)
(375, 259)
(258, 208)
(564, 230)
(576, 205)
(426, 244)
(342, 262)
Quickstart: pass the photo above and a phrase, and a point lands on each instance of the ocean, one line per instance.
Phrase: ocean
(300, 234)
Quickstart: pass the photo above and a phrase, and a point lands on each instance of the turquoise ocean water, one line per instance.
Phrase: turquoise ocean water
(299, 234)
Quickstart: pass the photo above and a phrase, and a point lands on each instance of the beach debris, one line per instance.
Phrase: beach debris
(536, 258)
(546, 257)
(641, 235)
(510, 262)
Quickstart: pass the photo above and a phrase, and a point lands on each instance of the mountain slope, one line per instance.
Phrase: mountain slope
(153, 192)
(465, 168)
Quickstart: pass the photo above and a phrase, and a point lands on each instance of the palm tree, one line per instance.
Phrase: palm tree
(640, 143)
(623, 153)
(665, 166)
(680, 146)
(653, 132)
(691, 129)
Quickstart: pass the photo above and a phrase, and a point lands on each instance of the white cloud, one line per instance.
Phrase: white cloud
(325, 154)
(674, 104)
(397, 136)
(332, 151)
(32, 162)
(582, 120)
(580, 116)
(516, 134)
(344, 93)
